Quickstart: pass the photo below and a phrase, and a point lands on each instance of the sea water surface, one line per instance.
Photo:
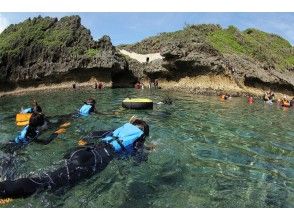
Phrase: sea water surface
(207, 152)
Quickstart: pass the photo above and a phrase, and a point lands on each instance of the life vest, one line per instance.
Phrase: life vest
(85, 110)
(123, 138)
(22, 119)
(27, 110)
(22, 137)
(286, 103)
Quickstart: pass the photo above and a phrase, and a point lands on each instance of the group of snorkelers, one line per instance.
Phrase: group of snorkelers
(91, 155)
(268, 97)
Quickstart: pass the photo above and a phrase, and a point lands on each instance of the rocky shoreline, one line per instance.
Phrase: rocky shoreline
(48, 54)
(209, 86)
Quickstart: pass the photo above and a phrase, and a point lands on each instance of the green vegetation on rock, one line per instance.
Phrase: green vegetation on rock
(270, 49)
(47, 33)
(92, 52)
(44, 50)
(267, 48)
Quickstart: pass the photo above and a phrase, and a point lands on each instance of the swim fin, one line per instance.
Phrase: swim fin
(64, 125)
(60, 131)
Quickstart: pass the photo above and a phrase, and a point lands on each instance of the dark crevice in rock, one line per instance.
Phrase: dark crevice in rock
(278, 87)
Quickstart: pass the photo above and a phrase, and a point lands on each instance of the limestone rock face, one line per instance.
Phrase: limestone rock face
(211, 50)
(48, 50)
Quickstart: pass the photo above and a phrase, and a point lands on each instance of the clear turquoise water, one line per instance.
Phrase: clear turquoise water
(208, 153)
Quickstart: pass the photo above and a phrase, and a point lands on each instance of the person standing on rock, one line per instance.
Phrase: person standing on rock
(100, 85)
(156, 84)
(151, 81)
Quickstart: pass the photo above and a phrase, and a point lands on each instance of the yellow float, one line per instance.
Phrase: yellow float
(137, 103)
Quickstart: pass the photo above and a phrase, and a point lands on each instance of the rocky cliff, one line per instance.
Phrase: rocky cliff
(251, 58)
(48, 50)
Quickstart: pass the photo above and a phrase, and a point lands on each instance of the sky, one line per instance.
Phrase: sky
(131, 27)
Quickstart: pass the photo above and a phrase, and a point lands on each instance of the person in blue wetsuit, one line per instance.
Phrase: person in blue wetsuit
(88, 107)
(81, 163)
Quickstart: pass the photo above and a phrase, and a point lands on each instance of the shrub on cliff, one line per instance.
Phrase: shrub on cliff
(47, 33)
(270, 49)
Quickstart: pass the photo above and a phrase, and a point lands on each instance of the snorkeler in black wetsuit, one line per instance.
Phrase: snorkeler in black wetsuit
(82, 163)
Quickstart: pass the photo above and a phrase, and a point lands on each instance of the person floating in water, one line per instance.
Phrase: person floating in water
(35, 108)
(139, 85)
(32, 131)
(166, 100)
(226, 96)
(127, 140)
(285, 102)
(269, 97)
(250, 100)
(88, 107)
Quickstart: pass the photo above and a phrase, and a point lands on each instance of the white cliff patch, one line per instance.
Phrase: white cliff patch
(142, 57)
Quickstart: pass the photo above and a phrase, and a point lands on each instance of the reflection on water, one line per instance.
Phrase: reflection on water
(208, 153)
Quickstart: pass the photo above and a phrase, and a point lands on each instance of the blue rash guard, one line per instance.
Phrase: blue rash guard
(86, 109)
(23, 137)
(123, 139)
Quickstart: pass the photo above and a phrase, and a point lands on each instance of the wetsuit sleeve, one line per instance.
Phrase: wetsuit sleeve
(95, 135)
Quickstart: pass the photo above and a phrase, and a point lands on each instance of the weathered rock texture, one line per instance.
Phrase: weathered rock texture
(48, 50)
(251, 58)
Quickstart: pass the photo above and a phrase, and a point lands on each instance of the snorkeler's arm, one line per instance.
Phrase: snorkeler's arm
(60, 130)
(90, 138)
